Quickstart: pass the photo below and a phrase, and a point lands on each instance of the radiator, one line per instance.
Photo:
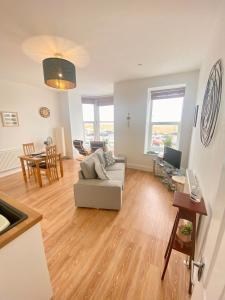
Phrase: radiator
(9, 159)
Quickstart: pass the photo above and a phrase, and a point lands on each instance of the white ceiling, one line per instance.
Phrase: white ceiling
(165, 36)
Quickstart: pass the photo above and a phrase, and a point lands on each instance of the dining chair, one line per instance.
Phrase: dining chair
(50, 164)
(28, 149)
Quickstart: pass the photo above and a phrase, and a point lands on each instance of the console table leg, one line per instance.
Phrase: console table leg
(170, 245)
(192, 256)
(172, 233)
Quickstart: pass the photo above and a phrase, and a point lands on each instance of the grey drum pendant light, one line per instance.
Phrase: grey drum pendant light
(59, 73)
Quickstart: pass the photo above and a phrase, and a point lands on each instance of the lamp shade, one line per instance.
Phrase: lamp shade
(59, 73)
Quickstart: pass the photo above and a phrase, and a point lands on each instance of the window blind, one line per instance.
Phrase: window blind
(100, 101)
(168, 93)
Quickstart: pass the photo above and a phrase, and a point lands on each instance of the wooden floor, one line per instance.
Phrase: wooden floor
(99, 254)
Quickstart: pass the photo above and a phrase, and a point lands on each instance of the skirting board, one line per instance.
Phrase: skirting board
(10, 172)
(140, 167)
(129, 165)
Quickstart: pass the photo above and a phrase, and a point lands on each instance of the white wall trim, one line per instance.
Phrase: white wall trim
(10, 172)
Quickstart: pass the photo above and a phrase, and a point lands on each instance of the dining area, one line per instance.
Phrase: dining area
(36, 164)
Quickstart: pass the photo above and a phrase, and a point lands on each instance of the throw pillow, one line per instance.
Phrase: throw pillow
(100, 170)
(99, 152)
(109, 160)
(88, 167)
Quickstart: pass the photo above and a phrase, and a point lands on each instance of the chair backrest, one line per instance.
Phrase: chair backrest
(97, 144)
(51, 163)
(78, 144)
(28, 148)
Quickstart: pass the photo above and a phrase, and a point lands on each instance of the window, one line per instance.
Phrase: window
(164, 119)
(88, 120)
(106, 124)
(98, 121)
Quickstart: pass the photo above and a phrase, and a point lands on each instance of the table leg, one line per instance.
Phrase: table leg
(171, 235)
(61, 165)
(38, 173)
(23, 170)
(192, 256)
(170, 245)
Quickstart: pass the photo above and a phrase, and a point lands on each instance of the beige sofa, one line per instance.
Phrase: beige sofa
(92, 192)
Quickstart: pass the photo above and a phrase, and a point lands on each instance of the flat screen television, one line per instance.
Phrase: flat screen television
(172, 157)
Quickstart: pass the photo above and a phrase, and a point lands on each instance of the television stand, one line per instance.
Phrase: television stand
(165, 171)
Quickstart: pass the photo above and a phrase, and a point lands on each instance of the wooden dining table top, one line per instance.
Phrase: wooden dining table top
(35, 158)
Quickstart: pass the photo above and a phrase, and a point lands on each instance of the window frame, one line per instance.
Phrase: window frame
(150, 123)
(96, 122)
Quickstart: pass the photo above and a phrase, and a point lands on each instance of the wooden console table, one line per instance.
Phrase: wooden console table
(187, 210)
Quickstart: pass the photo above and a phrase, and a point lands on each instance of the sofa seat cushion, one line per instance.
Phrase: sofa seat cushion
(88, 166)
(115, 167)
(116, 175)
(100, 170)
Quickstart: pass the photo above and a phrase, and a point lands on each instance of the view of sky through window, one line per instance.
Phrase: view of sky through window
(167, 110)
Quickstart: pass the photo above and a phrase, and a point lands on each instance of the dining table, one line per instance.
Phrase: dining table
(36, 160)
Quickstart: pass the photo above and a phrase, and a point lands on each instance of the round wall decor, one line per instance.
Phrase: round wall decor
(44, 112)
(211, 104)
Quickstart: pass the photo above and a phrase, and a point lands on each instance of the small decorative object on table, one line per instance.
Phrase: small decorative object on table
(179, 181)
(49, 141)
(184, 233)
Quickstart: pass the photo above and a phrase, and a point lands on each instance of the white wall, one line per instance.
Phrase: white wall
(76, 117)
(26, 100)
(65, 120)
(207, 162)
(131, 97)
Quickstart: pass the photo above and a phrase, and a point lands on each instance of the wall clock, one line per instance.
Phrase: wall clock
(211, 104)
(44, 112)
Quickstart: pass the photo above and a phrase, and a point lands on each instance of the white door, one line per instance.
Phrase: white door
(212, 283)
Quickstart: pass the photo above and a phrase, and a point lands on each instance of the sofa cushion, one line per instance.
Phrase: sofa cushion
(116, 175)
(100, 153)
(100, 170)
(88, 166)
(115, 167)
(109, 160)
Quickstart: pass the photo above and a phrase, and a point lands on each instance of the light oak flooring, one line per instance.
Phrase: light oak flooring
(99, 254)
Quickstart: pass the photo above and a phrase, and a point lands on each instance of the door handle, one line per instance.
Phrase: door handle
(197, 264)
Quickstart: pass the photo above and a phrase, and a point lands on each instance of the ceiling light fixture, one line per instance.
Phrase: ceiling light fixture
(59, 73)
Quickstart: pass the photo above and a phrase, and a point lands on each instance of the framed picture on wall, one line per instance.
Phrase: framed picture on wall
(196, 115)
(9, 119)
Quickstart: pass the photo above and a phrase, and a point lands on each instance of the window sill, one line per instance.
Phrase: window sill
(153, 154)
